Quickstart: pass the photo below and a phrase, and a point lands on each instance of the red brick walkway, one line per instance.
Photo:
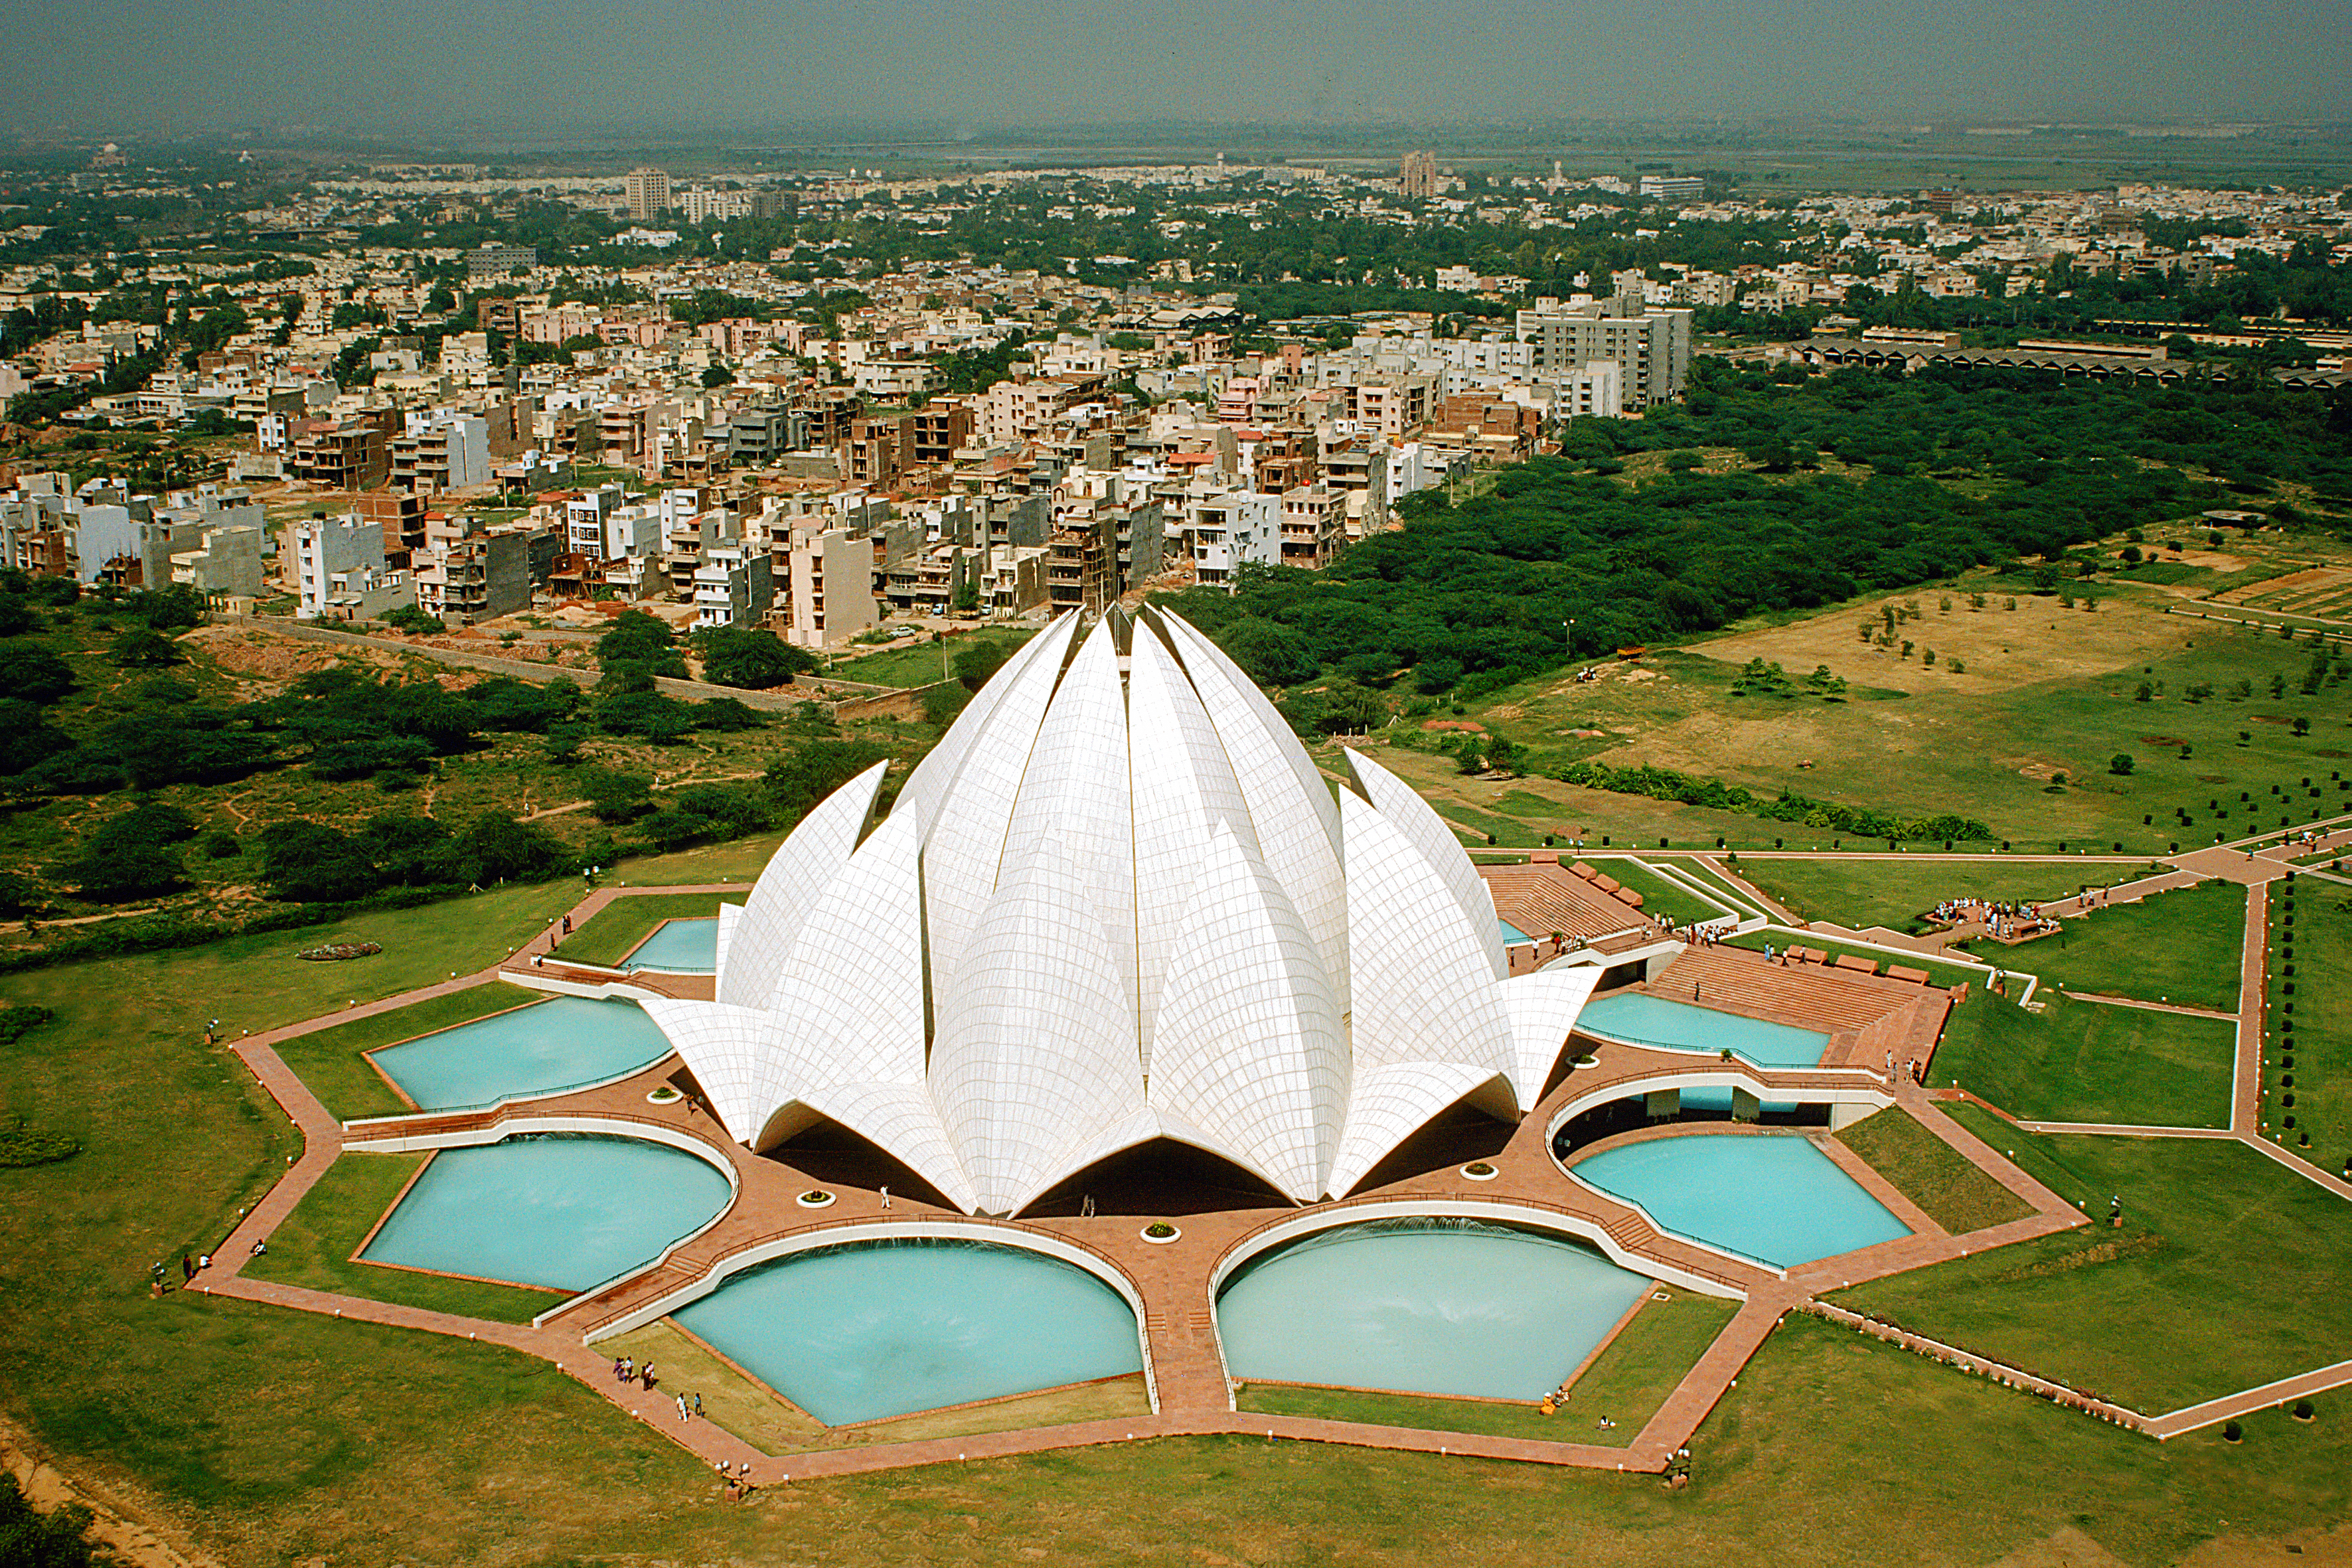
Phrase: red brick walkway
(1172, 1280)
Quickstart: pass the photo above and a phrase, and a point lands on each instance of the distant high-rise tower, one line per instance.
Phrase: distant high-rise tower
(648, 194)
(1419, 175)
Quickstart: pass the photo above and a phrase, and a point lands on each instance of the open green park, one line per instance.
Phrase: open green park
(2026, 740)
(2220, 1278)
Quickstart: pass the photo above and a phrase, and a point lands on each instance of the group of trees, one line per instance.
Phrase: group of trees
(1665, 783)
(1560, 559)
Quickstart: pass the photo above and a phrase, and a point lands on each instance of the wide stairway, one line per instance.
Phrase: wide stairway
(1808, 995)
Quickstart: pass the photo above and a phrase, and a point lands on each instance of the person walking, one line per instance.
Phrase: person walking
(698, 1405)
(645, 1377)
(885, 1197)
(681, 1407)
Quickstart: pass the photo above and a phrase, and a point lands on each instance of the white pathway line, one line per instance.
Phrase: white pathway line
(2193, 1417)
(2126, 1130)
(2105, 1001)
(2303, 1168)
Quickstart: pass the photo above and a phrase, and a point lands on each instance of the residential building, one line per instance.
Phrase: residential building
(349, 455)
(1673, 187)
(491, 262)
(474, 577)
(329, 552)
(1652, 348)
(647, 191)
(226, 562)
(829, 590)
(732, 586)
(1417, 176)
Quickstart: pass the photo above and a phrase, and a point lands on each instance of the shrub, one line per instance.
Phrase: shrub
(2120, 762)
(2231, 1432)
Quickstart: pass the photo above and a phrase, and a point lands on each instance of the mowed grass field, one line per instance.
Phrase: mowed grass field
(2225, 1274)
(275, 1437)
(2089, 1061)
(2044, 692)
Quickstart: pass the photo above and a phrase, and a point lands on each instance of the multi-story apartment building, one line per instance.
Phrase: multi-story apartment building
(349, 454)
(829, 585)
(1651, 347)
(732, 586)
(646, 191)
(325, 549)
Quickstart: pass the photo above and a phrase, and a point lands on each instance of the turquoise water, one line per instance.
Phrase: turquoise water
(1512, 933)
(870, 1330)
(679, 947)
(530, 1051)
(1635, 1017)
(1449, 1306)
(563, 1212)
(1766, 1197)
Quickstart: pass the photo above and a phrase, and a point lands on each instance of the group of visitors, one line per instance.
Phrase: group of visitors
(626, 1370)
(1696, 935)
(2003, 919)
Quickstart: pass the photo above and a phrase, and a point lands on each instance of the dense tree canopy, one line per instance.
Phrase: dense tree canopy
(1561, 560)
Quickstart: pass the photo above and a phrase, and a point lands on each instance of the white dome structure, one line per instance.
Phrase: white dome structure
(1116, 903)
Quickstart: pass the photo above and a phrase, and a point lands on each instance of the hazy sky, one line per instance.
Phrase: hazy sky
(408, 67)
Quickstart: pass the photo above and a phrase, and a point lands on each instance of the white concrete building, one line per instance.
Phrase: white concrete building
(1109, 910)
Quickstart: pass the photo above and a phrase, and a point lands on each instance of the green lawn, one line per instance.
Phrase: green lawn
(921, 664)
(1932, 1174)
(331, 1062)
(2181, 947)
(1661, 900)
(2090, 1061)
(2316, 1053)
(2226, 1274)
(313, 1247)
(1626, 1384)
(1895, 893)
(616, 930)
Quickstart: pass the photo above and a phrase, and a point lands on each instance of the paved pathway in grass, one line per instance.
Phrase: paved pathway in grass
(2107, 1001)
(1173, 1280)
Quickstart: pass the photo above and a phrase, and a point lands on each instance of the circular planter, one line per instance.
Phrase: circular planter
(1479, 1171)
(665, 1095)
(815, 1198)
(1582, 1062)
(1173, 1233)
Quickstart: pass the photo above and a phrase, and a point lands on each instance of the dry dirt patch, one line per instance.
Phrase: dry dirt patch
(2000, 648)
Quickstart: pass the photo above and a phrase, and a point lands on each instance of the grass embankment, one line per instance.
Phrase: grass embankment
(2090, 1061)
(2225, 1275)
(313, 1247)
(1929, 1172)
(2312, 1060)
(333, 1062)
(1896, 893)
(1626, 1383)
(2181, 947)
(617, 929)
(756, 1414)
(1661, 900)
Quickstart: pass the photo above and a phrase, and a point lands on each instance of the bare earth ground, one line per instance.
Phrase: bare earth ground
(2003, 648)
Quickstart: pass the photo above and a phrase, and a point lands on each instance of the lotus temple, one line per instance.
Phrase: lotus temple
(1127, 1070)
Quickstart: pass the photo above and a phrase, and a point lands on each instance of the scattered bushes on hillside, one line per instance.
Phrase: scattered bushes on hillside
(1665, 783)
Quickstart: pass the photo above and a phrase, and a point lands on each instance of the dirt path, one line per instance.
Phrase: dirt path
(114, 1524)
